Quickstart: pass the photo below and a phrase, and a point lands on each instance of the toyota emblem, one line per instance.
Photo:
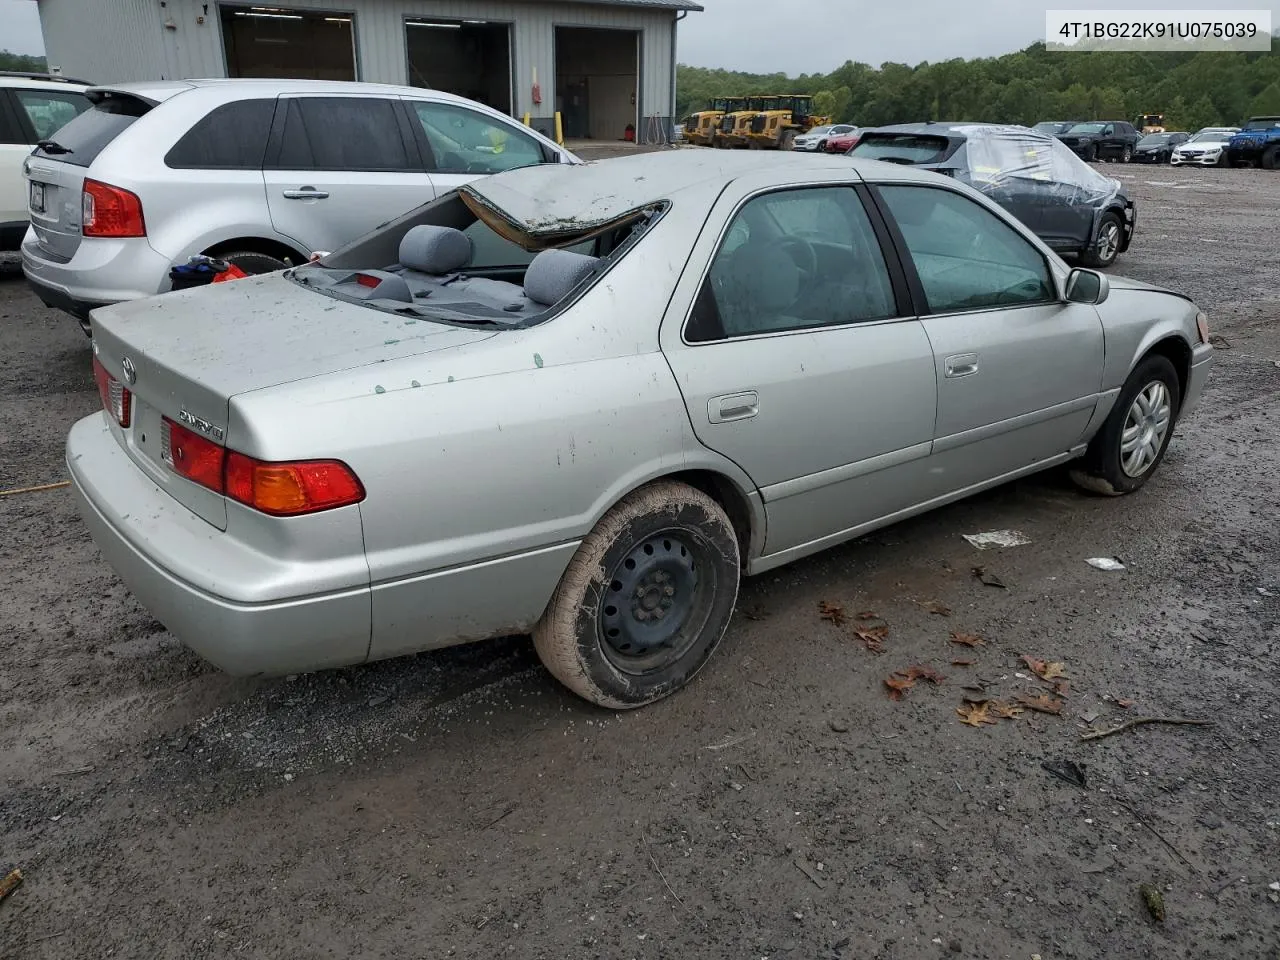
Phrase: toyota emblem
(130, 372)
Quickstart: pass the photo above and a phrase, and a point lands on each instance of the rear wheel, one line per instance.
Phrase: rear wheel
(645, 599)
(1127, 154)
(1271, 157)
(1091, 152)
(1133, 440)
(1106, 246)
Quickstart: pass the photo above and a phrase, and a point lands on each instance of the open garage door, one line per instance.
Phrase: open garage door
(597, 82)
(293, 44)
(471, 58)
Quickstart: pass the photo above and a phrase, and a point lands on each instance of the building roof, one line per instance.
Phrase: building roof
(656, 4)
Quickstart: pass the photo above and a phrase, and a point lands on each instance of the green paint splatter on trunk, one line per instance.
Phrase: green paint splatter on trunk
(379, 388)
(537, 360)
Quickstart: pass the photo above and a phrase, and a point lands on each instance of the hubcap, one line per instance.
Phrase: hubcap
(1108, 241)
(1145, 427)
(656, 603)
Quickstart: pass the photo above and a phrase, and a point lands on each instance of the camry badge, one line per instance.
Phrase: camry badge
(130, 372)
(201, 424)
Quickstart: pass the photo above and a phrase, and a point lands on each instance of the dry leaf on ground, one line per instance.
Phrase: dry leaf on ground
(873, 637)
(1043, 703)
(1126, 704)
(868, 615)
(967, 639)
(937, 607)
(975, 714)
(1044, 669)
(1062, 688)
(898, 685)
(962, 663)
(831, 611)
(900, 681)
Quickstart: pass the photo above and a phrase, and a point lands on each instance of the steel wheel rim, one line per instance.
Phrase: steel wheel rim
(657, 602)
(1145, 427)
(1108, 241)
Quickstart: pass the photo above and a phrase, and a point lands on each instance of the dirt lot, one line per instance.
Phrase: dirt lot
(462, 804)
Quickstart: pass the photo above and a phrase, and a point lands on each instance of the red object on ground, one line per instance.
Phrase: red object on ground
(629, 134)
(231, 273)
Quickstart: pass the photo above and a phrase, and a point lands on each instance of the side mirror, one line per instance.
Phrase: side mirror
(1087, 286)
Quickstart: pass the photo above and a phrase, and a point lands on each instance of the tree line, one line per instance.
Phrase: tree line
(21, 63)
(1192, 90)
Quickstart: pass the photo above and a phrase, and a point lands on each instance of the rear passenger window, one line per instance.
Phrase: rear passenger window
(49, 111)
(343, 133)
(231, 137)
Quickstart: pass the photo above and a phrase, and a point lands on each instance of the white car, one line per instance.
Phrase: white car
(32, 108)
(260, 173)
(1206, 149)
(816, 139)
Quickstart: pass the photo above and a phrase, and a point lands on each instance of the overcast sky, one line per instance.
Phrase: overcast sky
(811, 36)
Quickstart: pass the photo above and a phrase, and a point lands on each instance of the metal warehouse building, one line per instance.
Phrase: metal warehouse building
(602, 64)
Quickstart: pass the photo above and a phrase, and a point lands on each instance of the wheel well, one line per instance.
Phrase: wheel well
(1179, 354)
(726, 493)
(271, 248)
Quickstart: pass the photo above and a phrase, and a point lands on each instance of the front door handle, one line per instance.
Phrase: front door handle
(306, 193)
(734, 406)
(961, 365)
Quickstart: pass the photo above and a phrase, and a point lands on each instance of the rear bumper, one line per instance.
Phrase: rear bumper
(100, 272)
(145, 535)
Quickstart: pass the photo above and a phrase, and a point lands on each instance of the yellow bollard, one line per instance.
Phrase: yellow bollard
(528, 120)
(559, 130)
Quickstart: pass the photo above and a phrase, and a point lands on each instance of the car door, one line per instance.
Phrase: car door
(1108, 144)
(14, 148)
(27, 116)
(461, 144)
(339, 166)
(1018, 370)
(798, 359)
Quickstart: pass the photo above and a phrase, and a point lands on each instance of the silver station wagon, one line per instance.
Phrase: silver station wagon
(583, 401)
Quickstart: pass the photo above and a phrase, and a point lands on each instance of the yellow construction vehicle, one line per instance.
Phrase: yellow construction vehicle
(1151, 123)
(781, 121)
(735, 127)
(701, 127)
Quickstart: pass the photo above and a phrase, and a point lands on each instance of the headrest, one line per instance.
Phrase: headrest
(553, 273)
(437, 250)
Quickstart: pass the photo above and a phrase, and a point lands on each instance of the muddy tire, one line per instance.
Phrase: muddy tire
(645, 599)
(1132, 442)
(1270, 157)
(252, 262)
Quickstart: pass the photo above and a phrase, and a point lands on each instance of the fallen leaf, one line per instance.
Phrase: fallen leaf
(937, 607)
(975, 714)
(898, 685)
(1062, 688)
(900, 681)
(1041, 703)
(967, 639)
(962, 663)
(868, 615)
(831, 611)
(1124, 703)
(990, 579)
(1043, 669)
(1004, 711)
(873, 637)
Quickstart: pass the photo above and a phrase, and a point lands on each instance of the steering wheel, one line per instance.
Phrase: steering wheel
(802, 255)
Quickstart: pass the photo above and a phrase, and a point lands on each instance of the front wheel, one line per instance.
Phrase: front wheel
(1091, 152)
(645, 599)
(1132, 442)
(1127, 154)
(1106, 246)
(1270, 157)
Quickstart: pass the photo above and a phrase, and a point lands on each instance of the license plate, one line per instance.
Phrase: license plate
(37, 197)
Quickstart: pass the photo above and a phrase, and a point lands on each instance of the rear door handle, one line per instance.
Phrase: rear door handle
(734, 406)
(306, 193)
(961, 365)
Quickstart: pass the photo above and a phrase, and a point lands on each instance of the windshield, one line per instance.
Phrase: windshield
(1154, 139)
(1263, 123)
(1210, 138)
(900, 147)
(1047, 127)
(1086, 128)
(818, 131)
(842, 128)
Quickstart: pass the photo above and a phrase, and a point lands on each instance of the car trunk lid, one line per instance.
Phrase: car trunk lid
(56, 170)
(184, 355)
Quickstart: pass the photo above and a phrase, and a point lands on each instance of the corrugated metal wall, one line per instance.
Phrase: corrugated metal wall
(117, 40)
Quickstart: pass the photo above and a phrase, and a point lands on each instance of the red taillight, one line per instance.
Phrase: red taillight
(367, 281)
(108, 211)
(288, 489)
(192, 456)
(285, 489)
(116, 399)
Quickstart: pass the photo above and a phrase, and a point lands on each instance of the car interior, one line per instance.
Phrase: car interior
(456, 269)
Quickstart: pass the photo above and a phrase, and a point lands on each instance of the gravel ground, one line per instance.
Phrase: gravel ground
(461, 804)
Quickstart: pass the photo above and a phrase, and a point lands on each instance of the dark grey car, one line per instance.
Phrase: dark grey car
(1071, 206)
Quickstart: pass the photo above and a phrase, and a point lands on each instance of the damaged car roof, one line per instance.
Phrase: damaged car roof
(558, 200)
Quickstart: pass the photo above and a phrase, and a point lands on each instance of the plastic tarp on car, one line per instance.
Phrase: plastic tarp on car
(992, 156)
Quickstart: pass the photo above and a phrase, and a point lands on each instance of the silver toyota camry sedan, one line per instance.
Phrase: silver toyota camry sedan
(584, 401)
